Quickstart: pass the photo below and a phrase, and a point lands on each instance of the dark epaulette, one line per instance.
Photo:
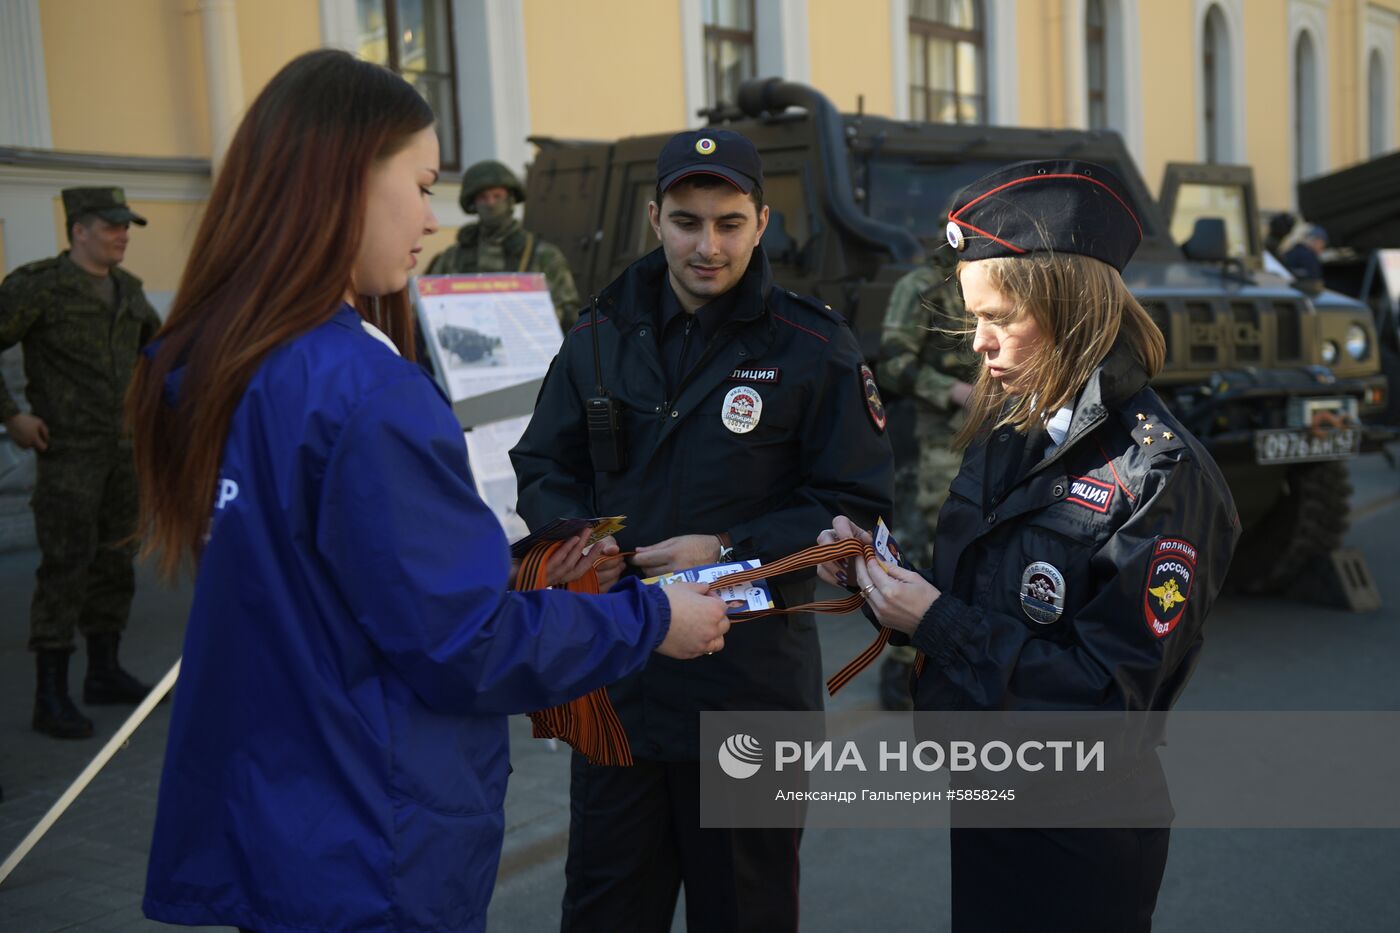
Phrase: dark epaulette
(812, 304)
(585, 317)
(1150, 427)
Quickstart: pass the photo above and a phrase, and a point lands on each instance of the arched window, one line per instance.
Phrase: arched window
(1096, 63)
(1305, 109)
(1215, 52)
(1377, 142)
(947, 61)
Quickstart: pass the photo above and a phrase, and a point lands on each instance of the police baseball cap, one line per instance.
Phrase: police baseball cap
(723, 153)
(107, 203)
(1058, 206)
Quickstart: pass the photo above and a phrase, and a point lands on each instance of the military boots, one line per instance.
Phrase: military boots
(106, 683)
(54, 712)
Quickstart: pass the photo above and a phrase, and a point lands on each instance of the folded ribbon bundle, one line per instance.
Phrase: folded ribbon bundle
(590, 723)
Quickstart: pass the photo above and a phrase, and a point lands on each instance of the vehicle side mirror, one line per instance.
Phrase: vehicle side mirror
(1207, 242)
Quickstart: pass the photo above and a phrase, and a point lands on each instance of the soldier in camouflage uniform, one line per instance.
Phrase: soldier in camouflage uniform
(81, 320)
(926, 360)
(498, 242)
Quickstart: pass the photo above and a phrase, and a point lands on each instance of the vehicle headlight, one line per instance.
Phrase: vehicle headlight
(1357, 342)
(1330, 352)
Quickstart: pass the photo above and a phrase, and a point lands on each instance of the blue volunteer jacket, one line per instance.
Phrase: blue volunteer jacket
(338, 751)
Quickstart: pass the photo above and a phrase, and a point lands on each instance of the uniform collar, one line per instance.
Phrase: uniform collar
(1118, 378)
(708, 316)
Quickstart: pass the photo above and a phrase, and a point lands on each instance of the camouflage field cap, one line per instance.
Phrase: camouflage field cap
(107, 203)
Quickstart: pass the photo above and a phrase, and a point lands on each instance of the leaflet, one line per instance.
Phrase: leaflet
(886, 548)
(561, 529)
(745, 597)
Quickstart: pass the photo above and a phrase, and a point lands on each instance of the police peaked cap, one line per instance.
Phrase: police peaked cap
(1057, 206)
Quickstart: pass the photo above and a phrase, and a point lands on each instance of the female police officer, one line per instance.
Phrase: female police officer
(1084, 538)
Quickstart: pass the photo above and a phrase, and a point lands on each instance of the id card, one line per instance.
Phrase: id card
(743, 597)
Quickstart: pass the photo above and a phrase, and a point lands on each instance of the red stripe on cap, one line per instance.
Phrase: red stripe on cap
(963, 223)
(1030, 178)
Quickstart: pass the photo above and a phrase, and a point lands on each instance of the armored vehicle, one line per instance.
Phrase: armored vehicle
(1274, 382)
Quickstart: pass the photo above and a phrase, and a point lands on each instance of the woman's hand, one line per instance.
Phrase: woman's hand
(840, 572)
(899, 597)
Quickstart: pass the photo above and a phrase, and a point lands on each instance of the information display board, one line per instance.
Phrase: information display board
(484, 333)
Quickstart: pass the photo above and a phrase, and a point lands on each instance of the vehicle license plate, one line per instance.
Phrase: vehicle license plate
(1300, 445)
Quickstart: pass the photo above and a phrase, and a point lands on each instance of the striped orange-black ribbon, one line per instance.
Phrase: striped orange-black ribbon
(590, 724)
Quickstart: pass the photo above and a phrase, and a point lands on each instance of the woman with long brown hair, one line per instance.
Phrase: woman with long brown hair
(337, 754)
(1082, 544)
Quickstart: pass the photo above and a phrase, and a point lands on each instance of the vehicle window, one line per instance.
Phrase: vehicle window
(916, 197)
(1195, 200)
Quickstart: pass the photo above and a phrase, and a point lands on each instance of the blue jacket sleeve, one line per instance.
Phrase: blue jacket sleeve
(422, 566)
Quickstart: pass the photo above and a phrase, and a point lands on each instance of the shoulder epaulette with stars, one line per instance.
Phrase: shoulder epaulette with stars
(1149, 432)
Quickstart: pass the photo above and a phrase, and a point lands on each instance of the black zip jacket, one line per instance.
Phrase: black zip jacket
(1132, 515)
(814, 449)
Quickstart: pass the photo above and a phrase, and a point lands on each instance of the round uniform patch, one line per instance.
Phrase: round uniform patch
(743, 406)
(955, 235)
(1042, 592)
(705, 146)
(1168, 585)
(874, 405)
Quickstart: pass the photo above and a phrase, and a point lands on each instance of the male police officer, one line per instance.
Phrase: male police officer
(81, 320)
(925, 358)
(498, 242)
(747, 420)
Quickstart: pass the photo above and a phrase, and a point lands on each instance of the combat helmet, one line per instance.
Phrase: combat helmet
(488, 174)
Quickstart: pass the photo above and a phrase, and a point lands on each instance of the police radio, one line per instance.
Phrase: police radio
(605, 438)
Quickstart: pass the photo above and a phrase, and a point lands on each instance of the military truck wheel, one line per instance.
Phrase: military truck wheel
(1308, 521)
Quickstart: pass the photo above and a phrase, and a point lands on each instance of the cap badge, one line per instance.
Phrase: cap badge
(743, 406)
(955, 235)
(705, 146)
(1042, 592)
(118, 196)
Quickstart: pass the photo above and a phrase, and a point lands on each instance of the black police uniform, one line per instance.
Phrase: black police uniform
(1074, 576)
(1137, 522)
(815, 449)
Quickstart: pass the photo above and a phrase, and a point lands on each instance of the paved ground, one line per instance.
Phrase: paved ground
(88, 873)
